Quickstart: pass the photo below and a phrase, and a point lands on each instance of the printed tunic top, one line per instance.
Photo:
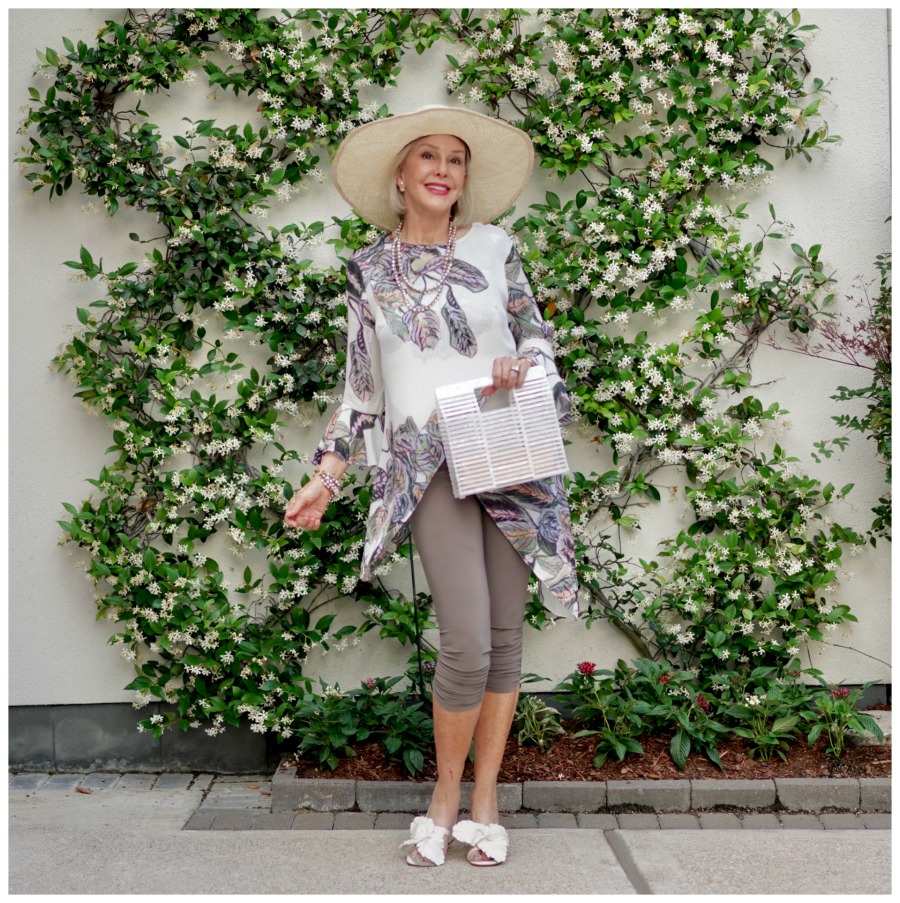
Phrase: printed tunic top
(397, 355)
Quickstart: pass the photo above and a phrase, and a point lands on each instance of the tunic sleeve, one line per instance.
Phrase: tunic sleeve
(362, 407)
(533, 335)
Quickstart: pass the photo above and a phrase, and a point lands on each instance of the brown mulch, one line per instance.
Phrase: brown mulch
(571, 759)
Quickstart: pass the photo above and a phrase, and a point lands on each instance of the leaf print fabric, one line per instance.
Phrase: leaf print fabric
(533, 335)
(399, 353)
(422, 326)
(361, 367)
(461, 337)
(422, 266)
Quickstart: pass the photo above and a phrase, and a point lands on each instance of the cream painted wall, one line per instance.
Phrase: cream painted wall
(58, 653)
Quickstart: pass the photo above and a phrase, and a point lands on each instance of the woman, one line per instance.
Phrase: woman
(439, 299)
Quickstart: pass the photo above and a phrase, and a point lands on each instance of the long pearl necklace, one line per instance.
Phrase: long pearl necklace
(401, 280)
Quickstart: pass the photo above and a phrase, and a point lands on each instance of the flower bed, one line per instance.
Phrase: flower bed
(571, 759)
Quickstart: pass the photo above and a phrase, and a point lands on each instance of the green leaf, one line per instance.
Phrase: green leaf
(786, 723)
(414, 760)
(868, 723)
(680, 749)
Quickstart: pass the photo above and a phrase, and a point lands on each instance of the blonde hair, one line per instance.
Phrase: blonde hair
(462, 209)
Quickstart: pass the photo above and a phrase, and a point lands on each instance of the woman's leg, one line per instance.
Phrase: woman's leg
(508, 582)
(447, 534)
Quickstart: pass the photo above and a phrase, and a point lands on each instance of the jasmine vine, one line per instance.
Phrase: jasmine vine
(657, 124)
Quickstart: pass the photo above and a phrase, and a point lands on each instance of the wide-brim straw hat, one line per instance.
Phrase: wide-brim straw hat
(502, 158)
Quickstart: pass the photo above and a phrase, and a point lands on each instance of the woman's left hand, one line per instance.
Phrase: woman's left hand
(508, 373)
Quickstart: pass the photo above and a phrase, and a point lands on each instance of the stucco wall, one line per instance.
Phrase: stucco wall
(58, 651)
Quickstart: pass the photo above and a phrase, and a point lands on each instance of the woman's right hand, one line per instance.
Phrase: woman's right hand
(308, 505)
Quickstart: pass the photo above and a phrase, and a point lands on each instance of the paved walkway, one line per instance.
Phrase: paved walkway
(171, 833)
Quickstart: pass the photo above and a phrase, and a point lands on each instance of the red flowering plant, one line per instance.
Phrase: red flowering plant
(835, 714)
(601, 708)
(674, 706)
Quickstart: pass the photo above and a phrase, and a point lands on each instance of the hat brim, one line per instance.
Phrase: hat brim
(502, 158)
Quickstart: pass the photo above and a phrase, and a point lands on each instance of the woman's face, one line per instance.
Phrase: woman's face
(431, 177)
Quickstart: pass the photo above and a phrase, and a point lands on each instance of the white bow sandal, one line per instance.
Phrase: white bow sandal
(491, 840)
(428, 839)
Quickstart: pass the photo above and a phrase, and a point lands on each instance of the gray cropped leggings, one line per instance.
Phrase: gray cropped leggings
(478, 582)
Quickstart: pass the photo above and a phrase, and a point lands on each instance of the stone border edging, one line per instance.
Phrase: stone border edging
(790, 794)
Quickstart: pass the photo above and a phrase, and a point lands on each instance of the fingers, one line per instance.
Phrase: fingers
(305, 519)
(508, 373)
(306, 507)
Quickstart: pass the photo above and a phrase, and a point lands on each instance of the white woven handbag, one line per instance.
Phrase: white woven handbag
(492, 449)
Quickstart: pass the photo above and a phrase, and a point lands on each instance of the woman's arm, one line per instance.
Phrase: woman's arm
(533, 334)
(362, 405)
(307, 507)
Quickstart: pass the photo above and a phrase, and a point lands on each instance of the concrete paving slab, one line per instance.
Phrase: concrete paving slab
(805, 822)
(518, 820)
(875, 794)
(353, 821)
(393, 821)
(202, 820)
(658, 796)
(564, 796)
(597, 821)
(63, 781)
(114, 844)
(100, 780)
(326, 795)
(240, 820)
(745, 794)
(761, 821)
(204, 781)
(243, 779)
(719, 821)
(641, 821)
(811, 794)
(28, 781)
(313, 821)
(556, 820)
(674, 820)
(70, 811)
(133, 781)
(273, 821)
(237, 796)
(763, 862)
(173, 782)
(846, 821)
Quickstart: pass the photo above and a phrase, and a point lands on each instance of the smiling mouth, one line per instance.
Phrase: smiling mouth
(437, 189)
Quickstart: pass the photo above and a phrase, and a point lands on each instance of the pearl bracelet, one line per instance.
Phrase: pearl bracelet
(331, 483)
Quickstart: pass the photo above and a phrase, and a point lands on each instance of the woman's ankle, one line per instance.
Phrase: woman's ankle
(444, 805)
(485, 805)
